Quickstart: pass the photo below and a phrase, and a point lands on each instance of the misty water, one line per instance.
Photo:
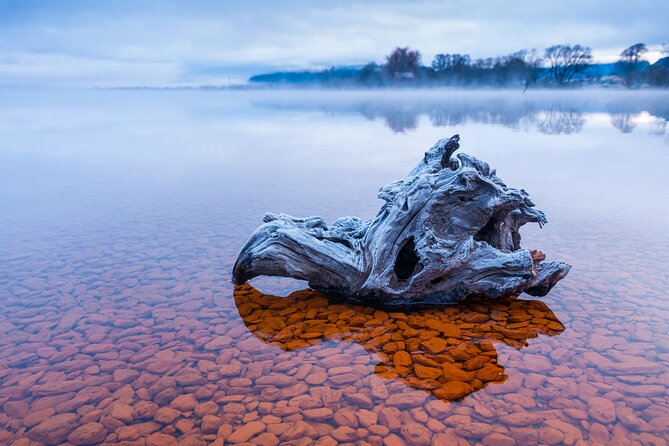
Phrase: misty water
(122, 213)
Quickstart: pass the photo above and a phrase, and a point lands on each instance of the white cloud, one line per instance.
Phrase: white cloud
(79, 43)
(26, 69)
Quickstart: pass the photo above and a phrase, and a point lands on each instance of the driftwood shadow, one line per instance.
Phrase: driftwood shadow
(448, 352)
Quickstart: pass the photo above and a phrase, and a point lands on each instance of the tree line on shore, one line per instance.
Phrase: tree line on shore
(557, 66)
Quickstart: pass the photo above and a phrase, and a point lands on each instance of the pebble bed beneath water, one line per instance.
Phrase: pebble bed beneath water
(156, 348)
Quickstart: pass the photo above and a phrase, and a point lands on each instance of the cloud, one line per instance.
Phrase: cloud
(128, 42)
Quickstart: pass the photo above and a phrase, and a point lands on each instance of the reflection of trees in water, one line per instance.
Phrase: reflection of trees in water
(559, 121)
(497, 114)
(659, 128)
(559, 114)
(623, 122)
(399, 120)
(442, 118)
(402, 117)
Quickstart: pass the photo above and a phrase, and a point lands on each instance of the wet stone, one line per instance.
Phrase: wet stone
(320, 414)
(184, 403)
(602, 410)
(55, 429)
(473, 430)
(416, 434)
(453, 390)
(303, 370)
(498, 439)
(188, 377)
(160, 439)
(144, 410)
(88, 434)
(246, 432)
(345, 434)
(210, 424)
(206, 408)
(122, 412)
(551, 436)
(166, 415)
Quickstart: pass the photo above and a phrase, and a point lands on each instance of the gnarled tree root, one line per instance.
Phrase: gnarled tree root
(447, 231)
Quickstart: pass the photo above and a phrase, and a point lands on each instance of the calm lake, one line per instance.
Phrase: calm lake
(122, 213)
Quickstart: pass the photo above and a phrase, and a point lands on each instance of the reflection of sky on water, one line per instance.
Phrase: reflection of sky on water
(261, 150)
(85, 160)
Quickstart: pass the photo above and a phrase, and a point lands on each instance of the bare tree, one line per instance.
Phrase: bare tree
(403, 62)
(534, 62)
(566, 61)
(634, 54)
(454, 68)
(521, 67)
(630, 63)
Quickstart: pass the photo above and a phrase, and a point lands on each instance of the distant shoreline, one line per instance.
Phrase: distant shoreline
(283, 87)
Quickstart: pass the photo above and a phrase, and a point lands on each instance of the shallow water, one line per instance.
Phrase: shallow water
(122, 213)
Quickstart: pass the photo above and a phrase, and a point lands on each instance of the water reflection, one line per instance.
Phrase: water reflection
(560, 120)
(623, 122)
(447, 352)
(548, 113)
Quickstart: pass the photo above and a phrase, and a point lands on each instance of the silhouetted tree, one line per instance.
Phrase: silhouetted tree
(631, 64)
(452, 68)
(481, 71)
(403, 63)
(370, 74)
(533, 73)
(566, 61)
(520, 67)
(634, 53)
(459, 61)
(440, 63)
(562, 65)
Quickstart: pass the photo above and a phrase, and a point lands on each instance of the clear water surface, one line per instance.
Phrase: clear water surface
(122, 212)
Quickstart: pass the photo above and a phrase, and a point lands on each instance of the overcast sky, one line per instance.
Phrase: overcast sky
(168, 43)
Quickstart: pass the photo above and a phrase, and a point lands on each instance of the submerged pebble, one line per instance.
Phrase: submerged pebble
(160, 350)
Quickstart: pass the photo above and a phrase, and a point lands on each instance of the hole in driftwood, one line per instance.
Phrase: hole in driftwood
(406, 261)
(486, 233)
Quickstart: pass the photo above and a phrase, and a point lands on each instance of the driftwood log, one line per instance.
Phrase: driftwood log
(446, 232)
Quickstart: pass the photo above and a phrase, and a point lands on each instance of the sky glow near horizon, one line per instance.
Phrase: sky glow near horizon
(79, 43)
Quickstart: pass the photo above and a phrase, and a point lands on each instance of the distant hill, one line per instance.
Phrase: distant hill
(664, 62)
(658, 73)
(601, 69)
(333, 74)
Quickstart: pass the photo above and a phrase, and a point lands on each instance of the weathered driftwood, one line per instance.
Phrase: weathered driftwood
(446, 232)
